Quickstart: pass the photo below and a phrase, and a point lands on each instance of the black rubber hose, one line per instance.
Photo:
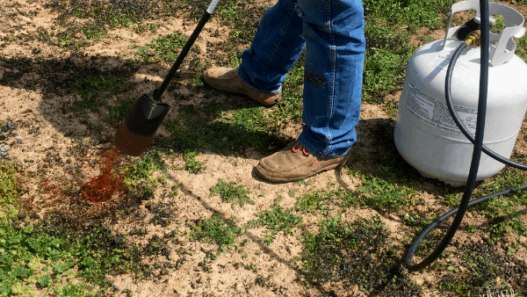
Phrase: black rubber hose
(476, 155)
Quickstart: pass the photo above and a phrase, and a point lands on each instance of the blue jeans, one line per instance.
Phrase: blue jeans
(333, 33)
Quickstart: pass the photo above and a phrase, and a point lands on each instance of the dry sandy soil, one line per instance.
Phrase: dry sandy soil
(45, 128)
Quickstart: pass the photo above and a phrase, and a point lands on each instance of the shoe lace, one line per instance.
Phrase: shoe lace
(304, 151)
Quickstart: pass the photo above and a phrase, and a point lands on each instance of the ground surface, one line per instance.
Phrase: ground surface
(69, 70)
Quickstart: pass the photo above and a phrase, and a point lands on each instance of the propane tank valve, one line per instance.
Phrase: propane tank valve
(473, 38)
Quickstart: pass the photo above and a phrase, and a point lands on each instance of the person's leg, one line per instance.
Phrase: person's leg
(276, 47)
(334, 33)
(335, 47)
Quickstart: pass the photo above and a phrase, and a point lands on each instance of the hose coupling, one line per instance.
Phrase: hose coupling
(473, 38)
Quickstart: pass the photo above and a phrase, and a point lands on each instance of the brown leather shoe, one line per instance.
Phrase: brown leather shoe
(227, 80)
(295, 163)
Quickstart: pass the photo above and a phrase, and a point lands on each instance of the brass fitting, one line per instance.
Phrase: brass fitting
(473, 38)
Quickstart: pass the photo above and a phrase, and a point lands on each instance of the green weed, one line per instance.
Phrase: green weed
(215, 229)
(312, 202)
(10, 191)
(383, 71)
(145, 166)
(191, 165)
(383, 196)
(96, 90)
(276, 219)
(229, 192)
(163, 49)
(502, 211)
(100, 18)
(207, 128)
(414, 13)
(116, 114)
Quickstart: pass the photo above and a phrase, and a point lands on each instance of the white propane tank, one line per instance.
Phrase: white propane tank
(425, 134)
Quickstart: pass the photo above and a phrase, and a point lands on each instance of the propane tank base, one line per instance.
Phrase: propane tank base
(448, 182)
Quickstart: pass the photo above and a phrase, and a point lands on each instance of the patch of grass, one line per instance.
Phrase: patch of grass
(388, 163)
(116, 114)
(382, 71)
(504, 216)
(502, 211)
(164, 49)
(289, 109)
(58, 248)
(388, 51)
(276, 219)
(154, 27)
(317, 200)
(419, 221)
(381, 195)
(54, 251)
(392, 108)
(63, 76)
(426, 39)
(499, 25)
(351, 254)
(229, 192)
(145, 166)
(413, 13)
(10, 191)
(197, 130)
(217, 230)
(92, 88)
(243, 17)
(191, 165)
(100, 17)
(521, 48)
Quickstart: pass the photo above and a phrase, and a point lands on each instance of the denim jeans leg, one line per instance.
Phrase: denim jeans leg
(276, 47)
(335, 47)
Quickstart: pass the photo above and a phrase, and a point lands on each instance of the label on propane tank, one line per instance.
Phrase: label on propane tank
(435, 112)
(440, 63)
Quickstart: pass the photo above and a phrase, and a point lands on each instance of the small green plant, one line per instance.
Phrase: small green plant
(117, 113)
(232, 160)
(144, 167)
(426, 39)
(163, 49)
(10, 191)
(382, 195)
(154, 27)
(95, 89)
(215, 229)
(276, 219)
(163, 179)
(229, 192)
(312, 202)
(174, 189)
(140, 28)
(191, 165)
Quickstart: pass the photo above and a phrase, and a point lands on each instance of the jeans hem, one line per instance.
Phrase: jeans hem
(317, 153)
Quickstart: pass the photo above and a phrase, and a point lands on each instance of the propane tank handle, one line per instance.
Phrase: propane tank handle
(504, 44)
